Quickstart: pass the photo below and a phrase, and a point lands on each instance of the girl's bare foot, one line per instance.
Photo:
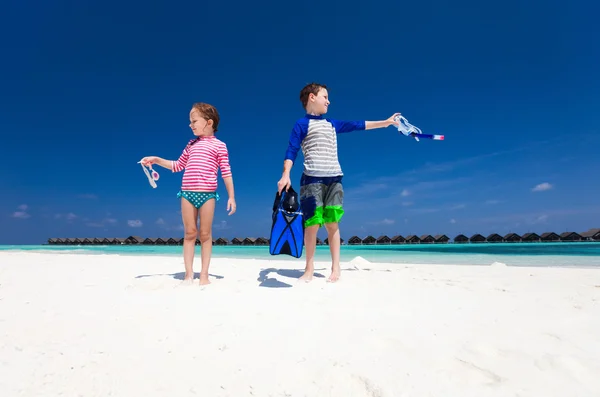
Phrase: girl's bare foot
(204, 279)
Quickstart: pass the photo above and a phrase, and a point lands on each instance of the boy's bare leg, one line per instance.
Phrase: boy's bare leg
(333, 234)
(207, 212)
(310, 244)
(189, 215)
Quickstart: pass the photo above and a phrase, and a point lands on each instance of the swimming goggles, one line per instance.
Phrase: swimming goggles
(152, 177)
(407, 129)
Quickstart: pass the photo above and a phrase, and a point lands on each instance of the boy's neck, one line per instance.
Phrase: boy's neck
(313, 113)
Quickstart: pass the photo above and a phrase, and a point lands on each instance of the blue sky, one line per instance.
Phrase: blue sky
(89, 88)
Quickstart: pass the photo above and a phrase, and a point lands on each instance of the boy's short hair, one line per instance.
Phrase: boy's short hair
(208, 112)
(312, 88)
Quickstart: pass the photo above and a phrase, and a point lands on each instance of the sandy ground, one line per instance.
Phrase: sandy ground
(109, 325)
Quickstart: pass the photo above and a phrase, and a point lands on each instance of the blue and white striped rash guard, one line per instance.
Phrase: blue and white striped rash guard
(317, 136)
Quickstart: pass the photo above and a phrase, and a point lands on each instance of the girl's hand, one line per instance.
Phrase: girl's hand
(231, 206)
(149, 160)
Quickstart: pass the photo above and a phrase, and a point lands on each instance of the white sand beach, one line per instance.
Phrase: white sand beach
(109, 325)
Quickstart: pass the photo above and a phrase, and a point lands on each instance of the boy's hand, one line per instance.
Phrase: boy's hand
(391, 120)
(284, 182)
(149, 160)
(231, 206)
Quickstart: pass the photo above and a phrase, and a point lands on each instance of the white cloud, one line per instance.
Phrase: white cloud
(405, 193)
(221, 225)
(458, 206)
(70, 216)
(21, 215)
(542, 187)
(385, 221)
(110, 220)
(540, 219)
(452, 220)
(135, 223)
(160, 221)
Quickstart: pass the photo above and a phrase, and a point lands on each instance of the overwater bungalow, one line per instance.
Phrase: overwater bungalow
(261, 241)
(413, 239)
(319, 241)
(221, 241)
(461, 239)
(354, 240)
(249, 241)
(570, 236)
(441, 239)
(427, 239)
(531, 237)
(326, 241)
(369, 240)
(477, 238)
(494, 238)
(512, 238)
(237, 241)
(384, 240)
(398, 239)
(549, 236)
(591, 235)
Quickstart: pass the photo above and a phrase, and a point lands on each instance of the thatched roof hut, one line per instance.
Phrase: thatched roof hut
(413, 239)
(354, 240)
(494, 238)
(369, 240)
(427, 239)
(477, 238)
(398, 239)
(591, 235)
(512, 238)
(550, 236)
(441, 238)
(531, 237)
(384, 240)
(570, 236)
(461, 239)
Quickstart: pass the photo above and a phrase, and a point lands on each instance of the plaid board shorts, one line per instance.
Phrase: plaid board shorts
(322, 199)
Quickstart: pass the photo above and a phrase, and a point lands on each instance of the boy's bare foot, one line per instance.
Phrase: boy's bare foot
(307, 276)
(336, 272)
(204, 279)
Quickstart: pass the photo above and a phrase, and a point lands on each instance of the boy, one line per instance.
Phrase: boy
(321, 192)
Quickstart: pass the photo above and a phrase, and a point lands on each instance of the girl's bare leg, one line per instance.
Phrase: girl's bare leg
(189, 215)
(207, 213)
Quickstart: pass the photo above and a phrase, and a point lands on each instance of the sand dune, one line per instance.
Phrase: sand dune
(100, 325)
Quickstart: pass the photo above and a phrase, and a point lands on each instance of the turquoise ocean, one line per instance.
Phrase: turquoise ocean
(563, 254)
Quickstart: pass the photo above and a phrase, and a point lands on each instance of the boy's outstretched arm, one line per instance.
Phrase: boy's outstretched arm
(370, 125)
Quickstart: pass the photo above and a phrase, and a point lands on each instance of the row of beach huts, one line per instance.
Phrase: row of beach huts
(589, 235)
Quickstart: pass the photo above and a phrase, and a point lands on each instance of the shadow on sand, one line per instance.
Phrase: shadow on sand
(178, 276)
(266, 281)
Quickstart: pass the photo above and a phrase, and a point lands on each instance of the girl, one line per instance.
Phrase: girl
(201, 158)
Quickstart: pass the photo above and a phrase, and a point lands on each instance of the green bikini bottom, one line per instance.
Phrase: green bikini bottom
(198, 198)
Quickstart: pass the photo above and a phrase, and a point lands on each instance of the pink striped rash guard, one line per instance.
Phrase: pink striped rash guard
(201, 159)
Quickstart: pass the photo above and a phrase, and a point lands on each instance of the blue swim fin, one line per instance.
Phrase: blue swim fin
(287, 231)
